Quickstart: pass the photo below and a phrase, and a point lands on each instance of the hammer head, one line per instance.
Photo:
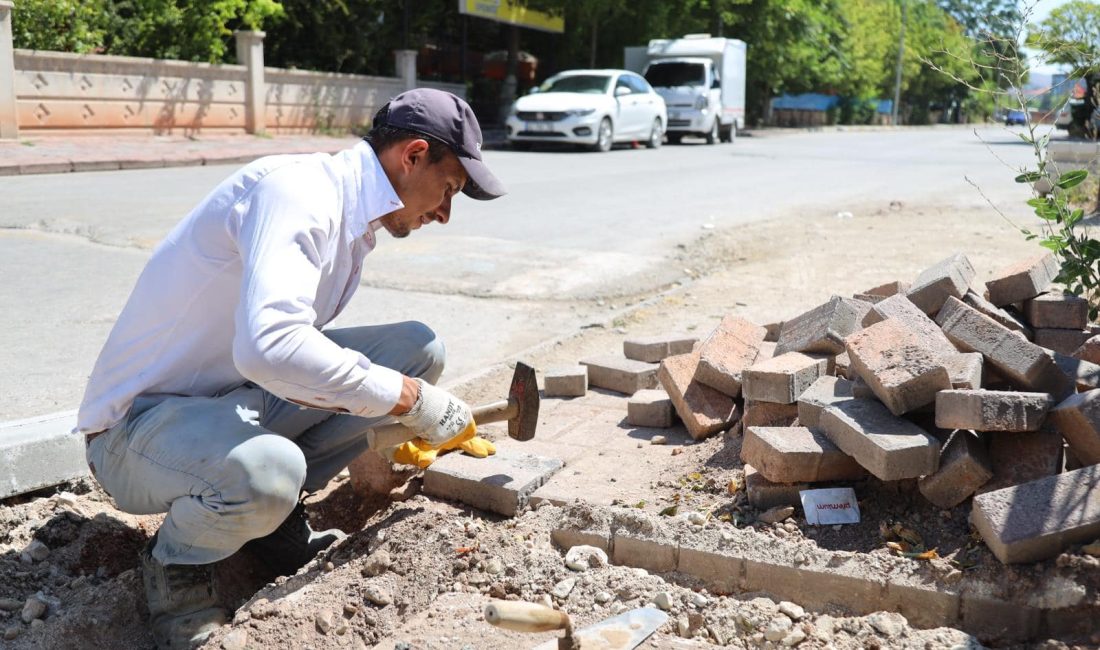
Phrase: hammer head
(524, 394)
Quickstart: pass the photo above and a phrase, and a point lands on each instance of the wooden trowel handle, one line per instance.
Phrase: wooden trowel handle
(525, 617)
(394, 434)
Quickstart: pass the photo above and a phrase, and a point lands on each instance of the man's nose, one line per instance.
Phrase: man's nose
(443, 211)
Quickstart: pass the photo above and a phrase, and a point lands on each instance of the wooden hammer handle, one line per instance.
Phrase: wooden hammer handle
(397, 434)
(526, 617)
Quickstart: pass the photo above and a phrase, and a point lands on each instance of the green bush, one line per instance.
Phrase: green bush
(60, 25)
(189, 30)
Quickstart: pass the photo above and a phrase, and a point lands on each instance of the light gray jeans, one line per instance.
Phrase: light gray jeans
(230, 468)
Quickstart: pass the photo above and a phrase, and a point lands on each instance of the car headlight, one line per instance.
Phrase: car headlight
(580, 112)
(700, 102)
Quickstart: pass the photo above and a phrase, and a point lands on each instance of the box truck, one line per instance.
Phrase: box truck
(702, 80)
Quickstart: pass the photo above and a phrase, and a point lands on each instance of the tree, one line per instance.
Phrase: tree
(60, 25)
(1070, 35)
(188, 30)
(191, 30)
(938, 69)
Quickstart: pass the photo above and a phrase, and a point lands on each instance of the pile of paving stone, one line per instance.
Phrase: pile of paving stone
(983, 392)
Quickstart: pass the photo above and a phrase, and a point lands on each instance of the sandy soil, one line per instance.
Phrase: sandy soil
(416, 573)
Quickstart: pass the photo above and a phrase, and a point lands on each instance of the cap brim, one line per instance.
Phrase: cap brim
(481, 184)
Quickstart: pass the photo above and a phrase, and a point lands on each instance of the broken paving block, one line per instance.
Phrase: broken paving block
(991, 410)
(889, 289)
(1078, 418)
(703, 410)
(1021, 457)
(823, 328)
(565, 381)
(824, 392)
(1038, 520)
(733, 346)
(867, 297)
(651, 349)
(904, 373)
(890, 447)
(964, 467)
(1061, 341)
(501, 483)
(1085, 373)
(946, 279)
(764, 494)
(1023, 280)
(902, 309)
(782, 379)
(1089, 350)
(965, 370)
(1020, 361)
(649, 408)
(860, 389)
(842, 365)
(619, 374)
(1003, 316)
(1057, 310)
(768, 414)
(797, 454)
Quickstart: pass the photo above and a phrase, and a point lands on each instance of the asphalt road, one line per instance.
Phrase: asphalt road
(576, 234)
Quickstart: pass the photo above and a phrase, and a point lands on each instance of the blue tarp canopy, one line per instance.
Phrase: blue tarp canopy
(804, 102)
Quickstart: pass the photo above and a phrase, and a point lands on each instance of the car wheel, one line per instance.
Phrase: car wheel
(655, 135)
(604, 136)
(712, 136)
(728, 134)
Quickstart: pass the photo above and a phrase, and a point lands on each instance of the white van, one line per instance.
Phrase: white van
(702, 80)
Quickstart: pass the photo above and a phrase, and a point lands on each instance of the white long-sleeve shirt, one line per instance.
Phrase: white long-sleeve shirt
(240, 288)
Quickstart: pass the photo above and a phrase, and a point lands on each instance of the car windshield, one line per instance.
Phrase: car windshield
(669, 75)
(595, 84)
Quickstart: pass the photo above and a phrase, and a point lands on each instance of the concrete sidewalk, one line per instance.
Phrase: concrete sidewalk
(56, 153)
(53, 153)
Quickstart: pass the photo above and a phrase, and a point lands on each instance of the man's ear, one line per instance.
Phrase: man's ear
(415, 151)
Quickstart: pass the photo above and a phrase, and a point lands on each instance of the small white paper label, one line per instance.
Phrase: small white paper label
(830, 506)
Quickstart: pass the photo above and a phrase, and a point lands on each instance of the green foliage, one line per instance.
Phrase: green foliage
(1061, 229)
(1070, 35)
(60, 25)
(1062, 233)
(190, 30)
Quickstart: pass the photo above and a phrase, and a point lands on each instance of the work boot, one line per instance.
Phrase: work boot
(293, 544)
(181, 601)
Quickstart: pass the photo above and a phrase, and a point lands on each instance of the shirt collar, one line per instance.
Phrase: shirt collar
(375, 197)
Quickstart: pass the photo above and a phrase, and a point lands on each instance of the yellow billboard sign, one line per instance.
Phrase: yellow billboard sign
(512, 12)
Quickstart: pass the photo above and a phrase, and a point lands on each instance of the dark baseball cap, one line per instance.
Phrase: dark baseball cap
(447, 118)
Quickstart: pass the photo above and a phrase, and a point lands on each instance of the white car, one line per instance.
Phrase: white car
(594, 108)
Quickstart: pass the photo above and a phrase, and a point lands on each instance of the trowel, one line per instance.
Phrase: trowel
(623, 632)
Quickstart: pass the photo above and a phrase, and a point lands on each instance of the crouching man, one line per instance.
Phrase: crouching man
(218, 399)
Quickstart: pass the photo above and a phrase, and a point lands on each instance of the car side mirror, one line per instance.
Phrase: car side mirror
(717, 83)
(621, 90)
(533, 90)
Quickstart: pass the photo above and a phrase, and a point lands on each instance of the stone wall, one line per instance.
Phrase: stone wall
(57, 91)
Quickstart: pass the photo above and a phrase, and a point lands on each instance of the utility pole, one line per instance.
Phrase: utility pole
(897, 74)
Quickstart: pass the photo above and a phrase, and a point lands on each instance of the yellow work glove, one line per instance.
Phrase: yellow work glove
(418, 452)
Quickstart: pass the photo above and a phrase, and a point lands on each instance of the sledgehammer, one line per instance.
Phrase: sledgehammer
(521, 410)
